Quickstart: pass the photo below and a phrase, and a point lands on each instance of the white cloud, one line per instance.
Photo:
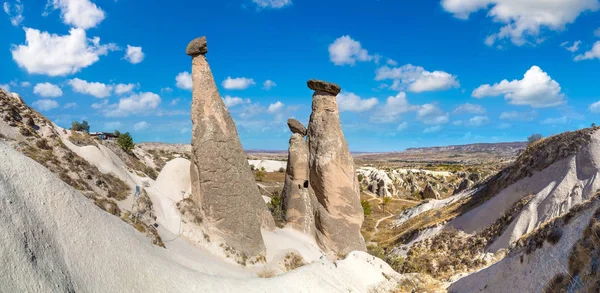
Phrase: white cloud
(468, 108)
(523, 19)
(417, 79)
(47, 90)
(234, 101)
(275, 4)
(70, 106)
(53, 55)
(124, 88)
(134, 54)
(594, 53)
(391, 62)
(346, 51)
(25, 84)
(597, 33)
(352, 103)
(174, 102)
(519, 116)
(554, 121)
(96, 89)
(78, 13)
(101, 105)
(477, 121)
(402, 126)
(238, 83)
(431, 114)
(184, 80)
(393, 108)
(537, 89)
(275, 107)
(432, 129)
(573, 48)
(141, 126)
(15, 14)
(142, 103)
(269, 84)
(45, 105)
(595, 107)
(5, 87)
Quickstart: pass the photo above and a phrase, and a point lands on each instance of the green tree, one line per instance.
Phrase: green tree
(117, 133)
(83, 126)
(366, 207)
(125, 142)
(386, 202)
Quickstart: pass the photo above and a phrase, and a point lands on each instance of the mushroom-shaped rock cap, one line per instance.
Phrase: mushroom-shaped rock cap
(296, 127)
(323, 86)
(197, 47)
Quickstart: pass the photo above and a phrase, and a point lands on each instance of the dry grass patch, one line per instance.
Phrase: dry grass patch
(266, 273)
(82, 139)
(293, 261)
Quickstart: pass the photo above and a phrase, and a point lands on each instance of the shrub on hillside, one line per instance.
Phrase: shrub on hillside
(275, 207)
(534, 137)
(366, 207)
(125, 142)
(83, 126)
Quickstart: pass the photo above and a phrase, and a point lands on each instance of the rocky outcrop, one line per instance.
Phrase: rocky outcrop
(339, 214)
(378, 181)
(464, 185)
(429, 192)
(298, 199)
(222, 182)
(296, 127)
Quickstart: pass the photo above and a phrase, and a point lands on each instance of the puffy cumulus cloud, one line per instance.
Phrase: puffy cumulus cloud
(349, 102)
(269, 84)
(78, 13)
(122, 88)
(96, 89)
(394, 107)
(595, 107)
(432, 129)
(134, 54)
(402, 126)
(54, 55)
(184, 80)
(537, 89)
(274, 4)
(136, 104)
(275, 107)
(519, 116)
(238, 83)
(141, 126)
(45, 105)
(593, 53)
(556, 121)
(416, 78)
(573, 48)
(47, 90)
(431, 114)
(523, 19)
(473, 122)
(346, 51)
(25, 84)
(14, 12)
(234, 101)
(70, 106)
(468, 108)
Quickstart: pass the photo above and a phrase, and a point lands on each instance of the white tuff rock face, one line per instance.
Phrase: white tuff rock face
(379, 182)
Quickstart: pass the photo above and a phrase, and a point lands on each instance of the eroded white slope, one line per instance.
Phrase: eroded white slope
(54, 239)
(556, 189)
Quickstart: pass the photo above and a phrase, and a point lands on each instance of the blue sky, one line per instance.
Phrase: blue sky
(413, 73)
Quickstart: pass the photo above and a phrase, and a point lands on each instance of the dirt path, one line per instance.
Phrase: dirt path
(381, 220)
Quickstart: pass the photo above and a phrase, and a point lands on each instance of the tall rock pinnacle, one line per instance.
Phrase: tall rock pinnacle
(222, 182)
(332, 175)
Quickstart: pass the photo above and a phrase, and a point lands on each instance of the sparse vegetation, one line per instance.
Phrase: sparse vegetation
(125, 142)
(82, 139)
(83, 126)
(366, 207)
(259, 175)
(293, 261)
(534, 138)
(266, 273)
(281, 170)
(276, 209)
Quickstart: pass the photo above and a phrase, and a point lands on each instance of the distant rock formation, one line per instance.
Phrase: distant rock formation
(464, 185)
(298, 199)
(339, 214)
(222, 182)
(429, 192)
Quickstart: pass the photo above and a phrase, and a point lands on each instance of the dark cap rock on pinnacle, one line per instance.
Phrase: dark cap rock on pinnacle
(296, 127)
(197, 47)
(323, 86)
